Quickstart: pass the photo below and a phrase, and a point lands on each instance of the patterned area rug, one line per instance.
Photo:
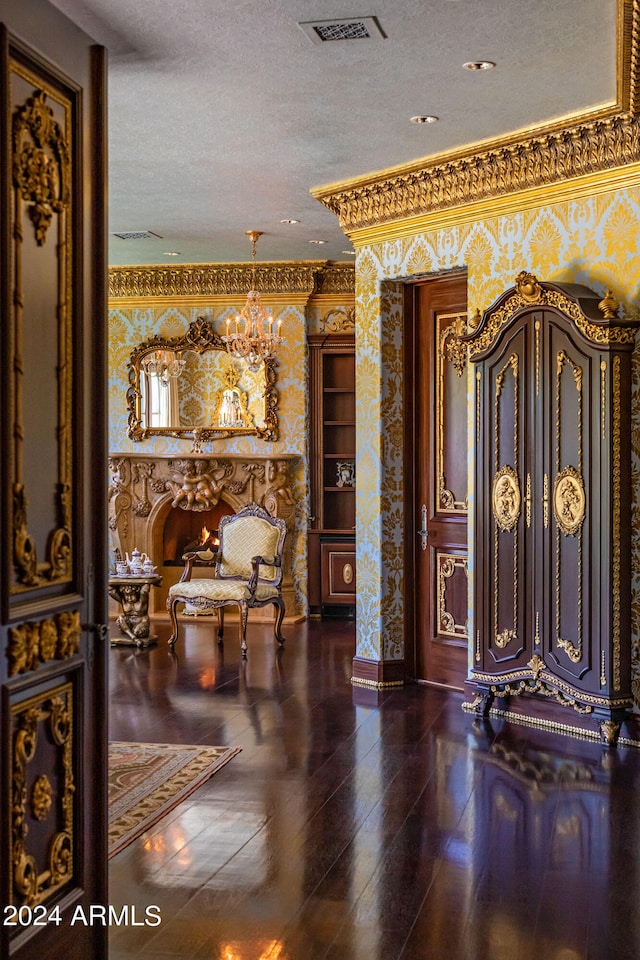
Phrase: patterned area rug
(147, 780)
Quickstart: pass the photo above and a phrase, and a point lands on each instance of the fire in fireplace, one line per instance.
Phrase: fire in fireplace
(186, 530)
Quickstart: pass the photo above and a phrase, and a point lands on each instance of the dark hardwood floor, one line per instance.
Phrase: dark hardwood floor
(357, 825)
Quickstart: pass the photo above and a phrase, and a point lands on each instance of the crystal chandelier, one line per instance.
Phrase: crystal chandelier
(253, 338)
(163, 364)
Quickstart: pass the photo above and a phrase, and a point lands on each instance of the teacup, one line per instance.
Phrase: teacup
(122, 568)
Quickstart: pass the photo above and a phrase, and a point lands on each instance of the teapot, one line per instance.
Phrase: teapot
(135, 561)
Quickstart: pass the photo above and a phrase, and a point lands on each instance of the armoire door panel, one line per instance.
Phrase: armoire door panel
(507, 414)
(568, 623)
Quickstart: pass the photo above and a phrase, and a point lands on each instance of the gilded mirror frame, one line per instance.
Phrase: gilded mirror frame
(199, 338)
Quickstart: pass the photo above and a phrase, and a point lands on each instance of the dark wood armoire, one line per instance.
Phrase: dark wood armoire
(552, 504)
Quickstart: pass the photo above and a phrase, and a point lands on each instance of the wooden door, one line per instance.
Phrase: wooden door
(52, 486)
(439, 499)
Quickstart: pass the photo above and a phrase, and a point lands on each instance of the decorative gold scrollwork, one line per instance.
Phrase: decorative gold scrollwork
(339, 321)
(41, 797)
(506, 498)
(569, 501)
(34, 876)
(574, 653)
(536, 665)
(454, 348)
(36, 642)
(527, 287)
(505, 638)
(41, 162)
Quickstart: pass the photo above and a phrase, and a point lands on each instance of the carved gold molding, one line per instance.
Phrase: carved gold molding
(604, 140)
(527, 292)
(36, 642)
(521, 681)
(339, 320)
(617, 521)
(569, 503)
(49, 718)
(447, 566)
(42, 174)
(224, 279)
(336, 278)
(506, 500)
(449, 348)
(41, 163)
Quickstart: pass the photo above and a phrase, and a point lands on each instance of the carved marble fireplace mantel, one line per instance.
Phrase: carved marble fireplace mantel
(144, 490)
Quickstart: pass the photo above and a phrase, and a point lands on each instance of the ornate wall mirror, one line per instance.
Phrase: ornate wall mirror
(190, 387)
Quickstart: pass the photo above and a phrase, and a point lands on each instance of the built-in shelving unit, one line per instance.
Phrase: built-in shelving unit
(333, 479)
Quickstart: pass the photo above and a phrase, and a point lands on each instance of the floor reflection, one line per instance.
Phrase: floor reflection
(388, 829)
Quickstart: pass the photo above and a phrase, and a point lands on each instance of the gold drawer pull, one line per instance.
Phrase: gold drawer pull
(347, 573)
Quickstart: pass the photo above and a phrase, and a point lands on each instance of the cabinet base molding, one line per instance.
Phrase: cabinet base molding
(518, 701)
(378, 673)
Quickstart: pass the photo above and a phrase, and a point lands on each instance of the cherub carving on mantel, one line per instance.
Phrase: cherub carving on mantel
(196, 487)
(278, 481)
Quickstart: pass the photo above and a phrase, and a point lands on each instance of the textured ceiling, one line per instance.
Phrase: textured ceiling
(223, 115)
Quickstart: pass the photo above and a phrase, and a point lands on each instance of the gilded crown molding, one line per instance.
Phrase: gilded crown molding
(573, 152)
(230, 279)
(603, 140)
(337, 278)
(628, 55)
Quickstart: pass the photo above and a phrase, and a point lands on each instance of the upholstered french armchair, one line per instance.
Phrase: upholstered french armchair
(246, 571)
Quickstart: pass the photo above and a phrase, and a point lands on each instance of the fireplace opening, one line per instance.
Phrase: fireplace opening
(189, 530)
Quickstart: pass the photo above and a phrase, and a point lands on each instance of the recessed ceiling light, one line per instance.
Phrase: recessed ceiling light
(172, 253)
(290, 221)
(318, 241)
(425, 119)
(479, 65)
(350, 253)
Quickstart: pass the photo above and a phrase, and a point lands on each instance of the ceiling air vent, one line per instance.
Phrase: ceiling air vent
(348, 28)
(138, 235)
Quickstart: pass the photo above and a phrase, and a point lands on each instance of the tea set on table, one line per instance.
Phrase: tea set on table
(136, 565)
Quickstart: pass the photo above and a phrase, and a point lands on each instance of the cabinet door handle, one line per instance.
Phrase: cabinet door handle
(424, 533)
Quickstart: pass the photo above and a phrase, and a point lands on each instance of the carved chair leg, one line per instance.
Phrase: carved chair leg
(171, 607)
(244, 616)
(220, 623)
(278, 605)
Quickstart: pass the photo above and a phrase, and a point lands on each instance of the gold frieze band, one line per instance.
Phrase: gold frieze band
(230, 279)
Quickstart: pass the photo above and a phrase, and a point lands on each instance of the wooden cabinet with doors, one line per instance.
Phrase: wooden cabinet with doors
(552, 503)
(332, 578)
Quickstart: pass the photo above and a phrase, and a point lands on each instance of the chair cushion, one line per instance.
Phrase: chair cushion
(244, 538)
(209, 589)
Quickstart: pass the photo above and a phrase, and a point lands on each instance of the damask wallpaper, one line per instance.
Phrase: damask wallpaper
(593, 241)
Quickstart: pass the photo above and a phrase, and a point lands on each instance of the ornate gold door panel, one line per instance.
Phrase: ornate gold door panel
(553, 489)
(52, 588)
(439, 504)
